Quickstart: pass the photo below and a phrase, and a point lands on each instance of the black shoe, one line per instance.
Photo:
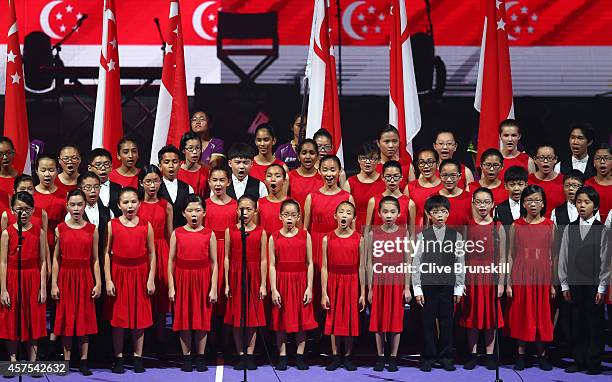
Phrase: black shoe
(521, 363)
(118, 366)
(300, 362)
(84, 368)
(201, 363)
(282, 363)
(447, 364)
(426, 365)
(187, 364)
(573, 369)
(138, 366)
(251, 362)
(380, 363)
(544, 363)
(241, 365)
(52, 351)
(471, 362)
(594, 370)
(348, 364)
(392, 367)
(334, 363)
(491, 362)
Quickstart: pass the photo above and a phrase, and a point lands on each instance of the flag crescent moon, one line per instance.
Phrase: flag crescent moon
(197, 20)
(44, 19)
(346, 20)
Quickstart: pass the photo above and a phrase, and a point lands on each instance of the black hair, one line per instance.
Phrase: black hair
(389, 199)
(290, 202)
(592, 194)
(125, 140)
(586, 128)
(544, 144)
(509, 123)
(333, 158)
(574, 174)
(444, 132)
(240, 150)
(428, 149)
(187, 137)
(437, 201)
(279, 166)
(516, 173)
(603, 146)
(533, 189)
(266, 126)
(492, 152)
(8, 140)
(450, 161)
(392, 164)
(86, 175)
(388, 129)
(22, 196)
(193, 198)
(369, 149)
(346, 203)
(21, 178)
(43, 157)
(125, 190)
(70, 146)
(249, 198)
(208, 117)
(75, 192)
(146, 170)
(485, 190)
(99, 152)
(322, 133)
(223, 168)
(172, 149)
(308, 141)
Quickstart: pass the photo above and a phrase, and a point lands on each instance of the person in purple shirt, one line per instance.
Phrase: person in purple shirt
(212, 148)
(287, 152)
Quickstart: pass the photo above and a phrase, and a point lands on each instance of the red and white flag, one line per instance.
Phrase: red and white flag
(494, 87)
(323, 106)
(404, 110)
(15, 113)
(172, 118)
(108, 121)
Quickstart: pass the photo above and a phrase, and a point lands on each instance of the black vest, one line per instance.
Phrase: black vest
(113, 200)
(104, 216)
(562, 215)
(438, 255)
(504, 214)
(178, 220)
(252, 189)
(584, 261)
(589, 170)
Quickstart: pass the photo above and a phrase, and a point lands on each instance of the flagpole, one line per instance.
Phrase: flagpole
(339, 21)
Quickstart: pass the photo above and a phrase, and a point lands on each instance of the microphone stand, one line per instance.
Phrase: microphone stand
(161, 38)
(496, 243)
(245, 290)
(19, 296)
(57, 61)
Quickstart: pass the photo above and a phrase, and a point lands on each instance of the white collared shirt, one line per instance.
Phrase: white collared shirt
(515, 208)
(172, 187)
(93, 214)
(105, 193)
(577, 164)
(240, 187)
(572, 212)
(608, 222)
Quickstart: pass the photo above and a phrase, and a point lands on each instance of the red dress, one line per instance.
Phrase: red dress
(477, 305)
(33, 319)
(198, 180)
(460, 211)
(155, 213)
(258, 171)
(218, 217)
(124, 181)
(269, 215)
(500, 194)
(605, 197)
(6, 185)
(343, 285)
(528, 314)
(553, 190)
(131, 306)
(387, 310)
(55, 206)
(75, 313)
(5, 204)
(362, 192)
(419, 195)
(64, 189)
(521, 160)
(404, 202)
(192, 307)
(255, 306)
(291, 282)
(300, 186)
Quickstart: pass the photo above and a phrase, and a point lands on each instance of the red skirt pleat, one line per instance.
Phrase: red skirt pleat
(387, 310)
(33, 319)
(255, 306)
(528, 316)
(343, 316)
(192, 307)
(75, 313)
(220, 307)
(131, 306)
(477, 305)
(293, 316)
(159, 301)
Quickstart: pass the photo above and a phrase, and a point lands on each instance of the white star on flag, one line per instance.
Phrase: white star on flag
(111, 65)
(62, 28)
(16, 77)
(168, 48)
(534, 17)
(79, 16)
(58, 16)
(377, 29)
(364, 29)
(501, 24)
(524, 10)
(10, 56)
(530, 29)
(517, 29)
(360, 17)
(371, 9)
(175, 31)
(497, 3)
(211, 17)
(69, 9)
(214, 29)
(114, 43)
(381, 17)
(514, 17)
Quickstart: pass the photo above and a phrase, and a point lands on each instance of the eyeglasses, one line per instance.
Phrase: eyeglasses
(89, 187)
(453, 176)
(438, 212)
(193, 149)
(494, 166)
(534, 202)
(572, 186)
(150, 182)
(427, 163)
(482, 203)
(6, 153)
(26, 210)
(71, 159)
(604, 158)
(394, 178)
(545, 158)
(365, 159)
(446, 144)
(101, 165)
(288, 215)
(325, 148)
(195, 119)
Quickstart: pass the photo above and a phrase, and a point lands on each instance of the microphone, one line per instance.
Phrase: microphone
(156, 21)
(19, 222)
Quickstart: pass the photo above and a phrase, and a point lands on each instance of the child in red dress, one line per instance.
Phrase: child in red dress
(33, 280)
(265, 139)
(75, 280)
(256, 269)
(529, 287)
(491, 164)
(25, 183)
(343, 285)
(460, 201)
(192, 281)
(509, 136)
(129, 272)
(291, 272)
(306, 178)
(159, 213)
(192, 171)
(428, 183)
(69, 161)
(547, 178)
(387, 292)
(126, 175)
(7, 170)
(602, 181)
(268, 211)
(446, 146)
(389, 144)
(367, 183)
(478, 305)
